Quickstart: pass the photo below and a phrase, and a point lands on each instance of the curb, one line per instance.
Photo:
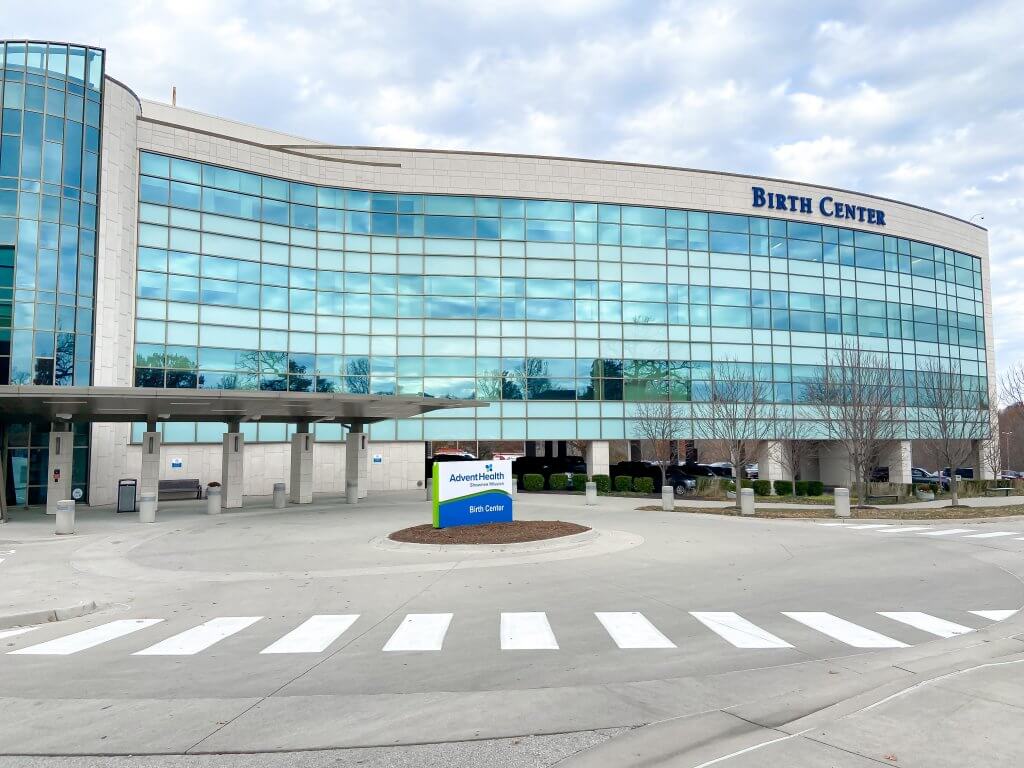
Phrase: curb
(46, 616)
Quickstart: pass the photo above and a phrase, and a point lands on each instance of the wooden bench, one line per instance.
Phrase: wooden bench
(993, 491)
(893, 496)
(186, 488)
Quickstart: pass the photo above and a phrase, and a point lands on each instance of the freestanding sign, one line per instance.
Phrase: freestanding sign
(472, 492)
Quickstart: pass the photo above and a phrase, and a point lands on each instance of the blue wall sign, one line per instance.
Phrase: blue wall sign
(826, 206)
(472, 492)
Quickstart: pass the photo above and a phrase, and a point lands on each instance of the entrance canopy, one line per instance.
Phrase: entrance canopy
(40, 404)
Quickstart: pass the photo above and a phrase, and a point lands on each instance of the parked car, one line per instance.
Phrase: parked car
(721, 468)
(429, 464)
(920, 476)
(681, 481)
(547, 466)
(702, 470)
(966, 473)
(1011, 474)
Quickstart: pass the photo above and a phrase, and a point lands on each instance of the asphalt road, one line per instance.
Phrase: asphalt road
(301, 630)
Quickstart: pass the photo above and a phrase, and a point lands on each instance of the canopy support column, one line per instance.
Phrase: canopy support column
(300, 485)
(58, 473)
(232, 476)
(149, 479)
(356, 474)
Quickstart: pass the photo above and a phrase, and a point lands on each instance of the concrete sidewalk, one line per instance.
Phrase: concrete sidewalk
(963, 707)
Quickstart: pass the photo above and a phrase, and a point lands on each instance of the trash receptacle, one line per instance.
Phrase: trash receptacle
(127, 488)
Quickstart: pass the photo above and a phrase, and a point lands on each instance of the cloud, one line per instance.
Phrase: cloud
(815, 160)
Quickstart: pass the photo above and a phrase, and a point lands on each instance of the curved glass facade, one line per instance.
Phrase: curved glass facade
(560, 313)
(49, 184)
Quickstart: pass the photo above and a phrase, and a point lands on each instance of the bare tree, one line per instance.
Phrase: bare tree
(991, 455)
(795, 450)
(855, 399)
(658, 426)
(738, 412)
(577, 447)
(954, 413)
(1011, 385)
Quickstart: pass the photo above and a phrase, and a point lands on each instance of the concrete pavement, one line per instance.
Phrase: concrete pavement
(691, 580)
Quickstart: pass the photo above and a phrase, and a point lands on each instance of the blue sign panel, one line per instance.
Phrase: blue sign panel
(472, 493)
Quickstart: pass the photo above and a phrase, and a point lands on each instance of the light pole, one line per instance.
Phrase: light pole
(1006, 454)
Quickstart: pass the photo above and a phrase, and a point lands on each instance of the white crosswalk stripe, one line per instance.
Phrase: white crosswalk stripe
(630, 629)
(906, 529)
(518, 631)
(88, 638)
(192, 641)
(926, 530)
(314, 634)
(844, 631)
(420, 632)
(830, 525)
(738, 631)
(527, 632)
(14, 632)
(927, 623)
(994, 615)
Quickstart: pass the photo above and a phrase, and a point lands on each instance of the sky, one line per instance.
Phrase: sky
(918, 101)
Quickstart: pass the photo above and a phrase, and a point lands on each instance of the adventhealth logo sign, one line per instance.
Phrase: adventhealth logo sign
(826, 206)
(490, 474)
(479, 492)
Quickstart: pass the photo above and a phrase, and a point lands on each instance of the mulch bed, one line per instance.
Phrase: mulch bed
(490, 533)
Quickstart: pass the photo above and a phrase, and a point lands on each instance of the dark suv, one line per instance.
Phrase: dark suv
(681, 481)
(428, 466)
(919, 476)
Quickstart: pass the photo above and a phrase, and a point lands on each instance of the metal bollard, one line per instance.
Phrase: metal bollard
(280, 499)
(668, 498)
(213, 501)
(428, 489)
(591, 494)
(746, 501)
(842, 502)
(65, 517)
(147, 508)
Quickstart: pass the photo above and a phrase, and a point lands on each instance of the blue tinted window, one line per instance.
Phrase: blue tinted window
(449, 205)
(729, 243)
(547, 209)
(727, 223)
